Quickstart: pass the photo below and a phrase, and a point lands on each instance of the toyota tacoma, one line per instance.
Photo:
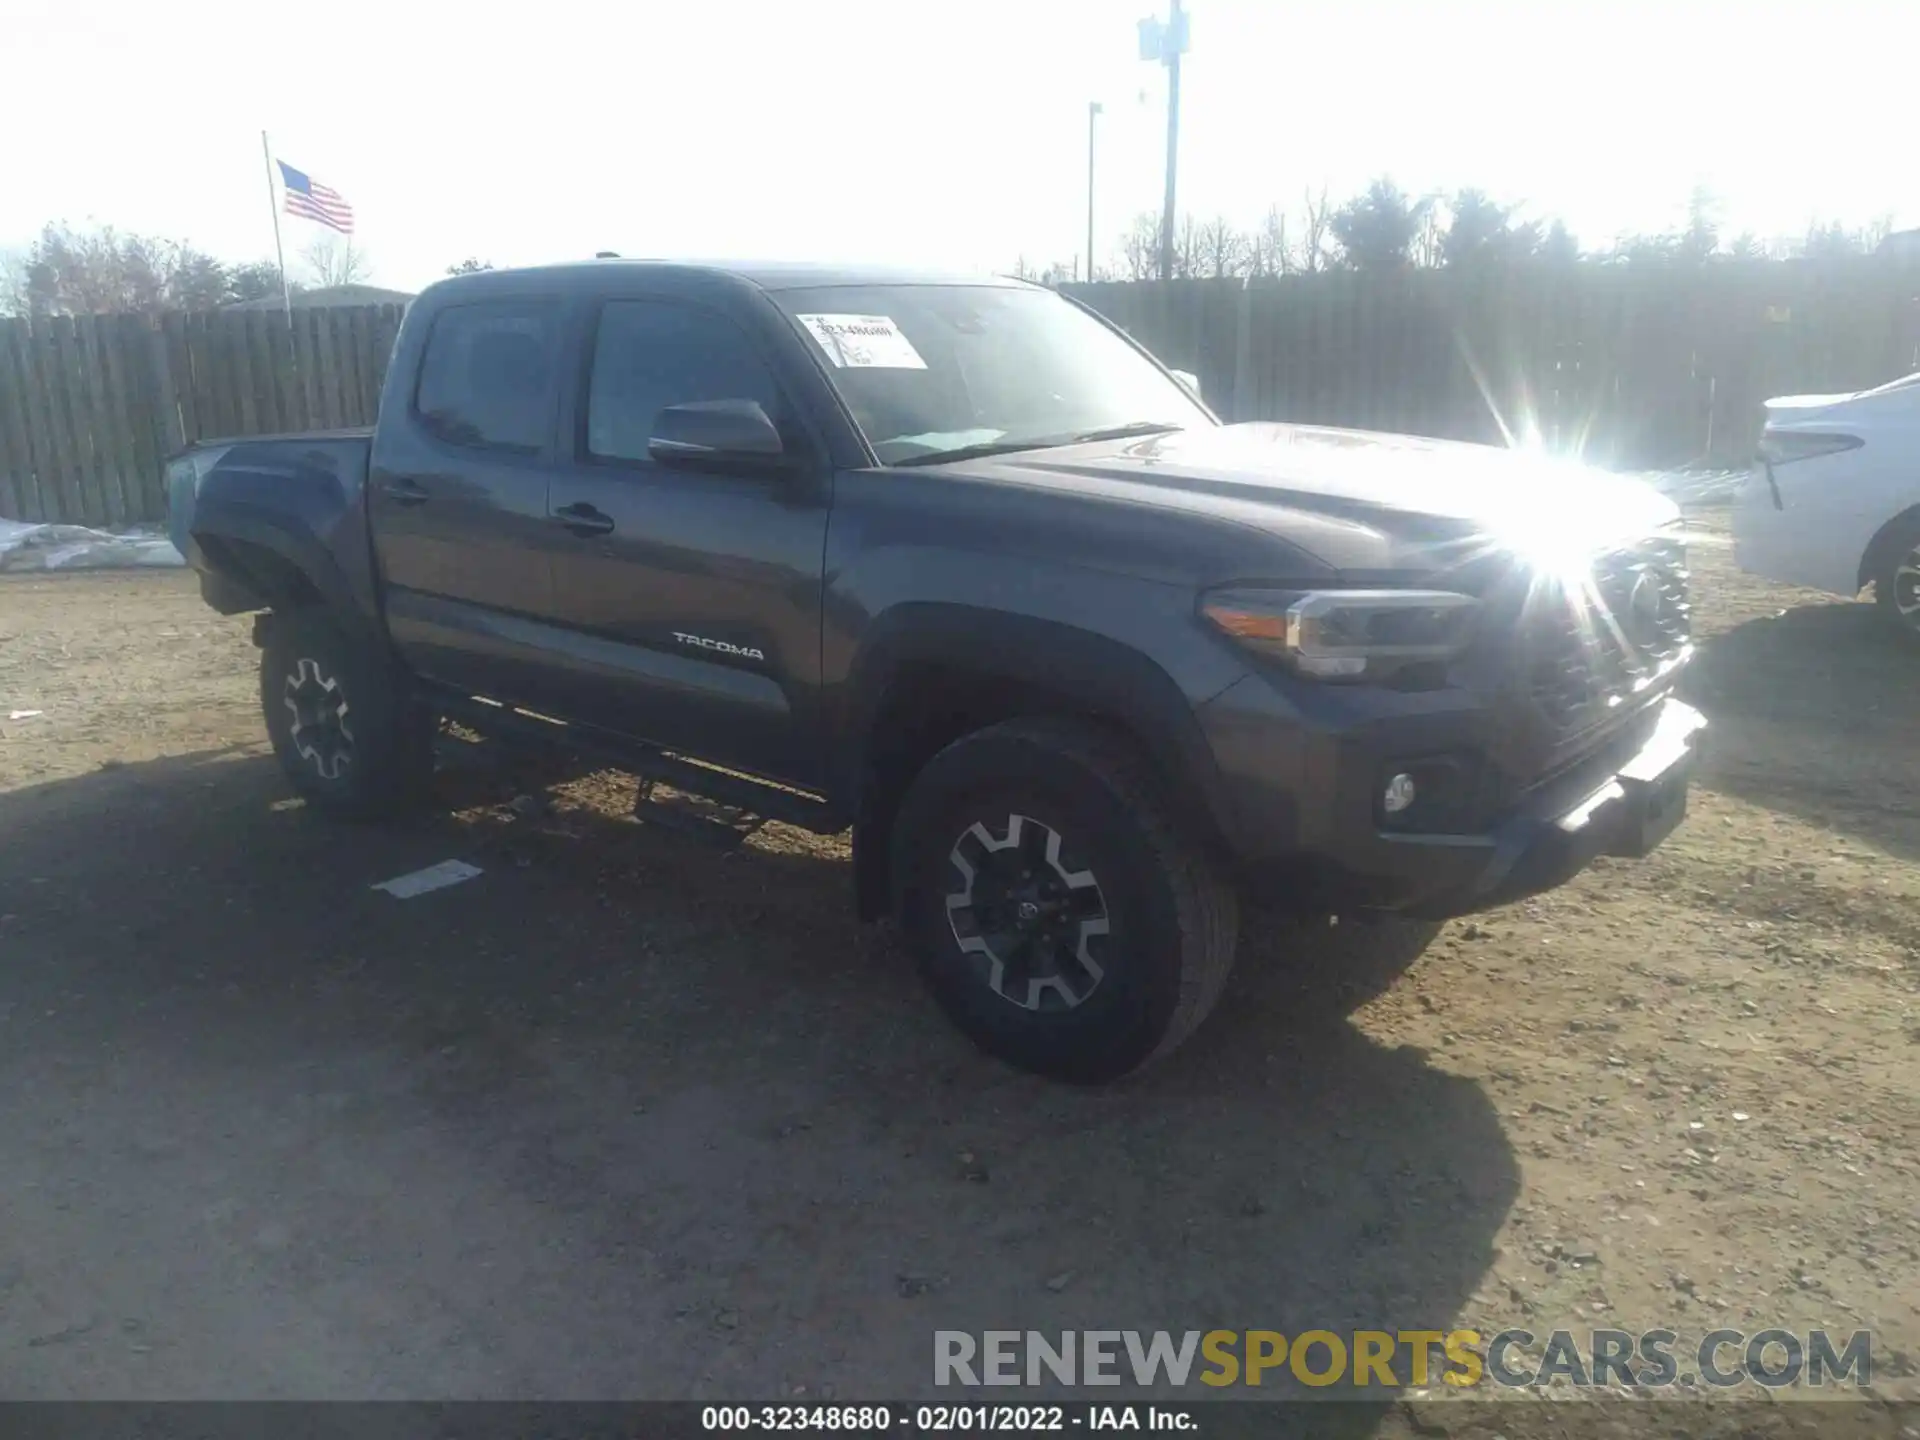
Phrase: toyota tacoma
(956, 565)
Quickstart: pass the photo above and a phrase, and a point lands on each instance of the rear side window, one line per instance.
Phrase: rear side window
(650, 354)
(487, 379)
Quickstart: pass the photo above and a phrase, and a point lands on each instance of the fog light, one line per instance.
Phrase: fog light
(1398, 795)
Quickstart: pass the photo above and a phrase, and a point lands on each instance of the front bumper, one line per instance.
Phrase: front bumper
(1309, 834)
(1561, 829)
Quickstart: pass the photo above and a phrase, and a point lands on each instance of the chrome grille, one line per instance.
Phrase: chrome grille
(1591, 653)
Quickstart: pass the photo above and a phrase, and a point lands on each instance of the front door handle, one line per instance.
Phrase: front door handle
(583, 519)
(406, 492)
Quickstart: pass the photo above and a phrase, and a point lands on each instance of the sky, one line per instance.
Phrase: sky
(928, 131)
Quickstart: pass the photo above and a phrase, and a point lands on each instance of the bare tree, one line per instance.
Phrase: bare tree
(1317, 232)
(1702, 235)
(1140, 248)
(1269, 251)
(1221, 250)
(335, 260)
(1427, 240)
(1186, 249)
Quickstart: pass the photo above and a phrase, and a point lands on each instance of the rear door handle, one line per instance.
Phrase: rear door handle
(583, 519)
(405, 492)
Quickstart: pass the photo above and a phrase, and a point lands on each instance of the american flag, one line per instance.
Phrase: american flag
(311, 200)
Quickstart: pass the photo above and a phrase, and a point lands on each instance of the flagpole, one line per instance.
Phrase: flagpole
(286, 292)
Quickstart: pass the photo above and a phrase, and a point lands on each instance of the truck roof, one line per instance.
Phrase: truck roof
(763, 274)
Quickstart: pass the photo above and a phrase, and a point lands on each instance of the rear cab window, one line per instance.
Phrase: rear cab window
(487, 379)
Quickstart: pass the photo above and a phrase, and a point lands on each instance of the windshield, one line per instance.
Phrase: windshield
(930, 371)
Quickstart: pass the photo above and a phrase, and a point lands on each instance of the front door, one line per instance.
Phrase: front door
(693, 596)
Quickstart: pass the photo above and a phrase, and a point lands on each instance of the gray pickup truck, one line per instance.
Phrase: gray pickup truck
(956, 565)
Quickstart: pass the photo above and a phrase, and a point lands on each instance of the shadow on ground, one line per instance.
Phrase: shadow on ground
(1797, 699)
(625, 1117)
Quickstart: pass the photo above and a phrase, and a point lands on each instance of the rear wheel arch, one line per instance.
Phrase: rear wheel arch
(267, 575)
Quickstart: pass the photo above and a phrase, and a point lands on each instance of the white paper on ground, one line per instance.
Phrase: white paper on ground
(24, 714)
(863, 342)
(434, 877)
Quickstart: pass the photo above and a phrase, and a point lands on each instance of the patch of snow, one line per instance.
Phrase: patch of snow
(28, 546)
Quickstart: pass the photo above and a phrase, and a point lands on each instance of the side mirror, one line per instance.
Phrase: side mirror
(716, 432)
(1188, 379)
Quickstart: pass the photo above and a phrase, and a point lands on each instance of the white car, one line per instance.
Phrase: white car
(1834, 499)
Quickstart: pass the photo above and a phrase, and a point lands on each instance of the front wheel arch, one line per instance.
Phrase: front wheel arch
(928, 673)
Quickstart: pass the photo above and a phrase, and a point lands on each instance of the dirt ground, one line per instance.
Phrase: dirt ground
(628, 1117)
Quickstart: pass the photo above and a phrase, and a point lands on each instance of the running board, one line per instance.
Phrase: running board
(741, 793)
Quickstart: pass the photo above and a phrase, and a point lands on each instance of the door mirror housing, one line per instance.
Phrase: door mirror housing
(706, 433)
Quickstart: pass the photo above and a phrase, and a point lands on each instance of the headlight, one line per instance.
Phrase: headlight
(1346, 634)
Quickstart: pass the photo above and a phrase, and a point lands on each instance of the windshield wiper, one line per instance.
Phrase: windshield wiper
(1008, 447)
(1127, 432)
(982, 450)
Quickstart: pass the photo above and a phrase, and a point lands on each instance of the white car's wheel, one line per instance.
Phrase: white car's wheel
(1896, 579)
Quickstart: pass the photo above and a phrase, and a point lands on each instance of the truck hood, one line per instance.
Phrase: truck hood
(1354, 499)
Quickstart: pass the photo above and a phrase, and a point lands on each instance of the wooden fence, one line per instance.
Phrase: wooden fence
(90, 407)
(1636, 366)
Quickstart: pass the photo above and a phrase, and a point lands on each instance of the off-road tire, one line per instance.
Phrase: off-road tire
(308, 664)
(1894, 580)
(1171, 919)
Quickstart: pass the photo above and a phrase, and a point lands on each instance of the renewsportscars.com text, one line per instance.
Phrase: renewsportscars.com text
(1393, 1358)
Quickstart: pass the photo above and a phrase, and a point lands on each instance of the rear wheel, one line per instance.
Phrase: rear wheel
(343, 722)
(1061, 918)
(1896, 579)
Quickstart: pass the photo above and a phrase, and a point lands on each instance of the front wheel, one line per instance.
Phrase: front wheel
(344, 725)
(1061, 917)
(1896, 580)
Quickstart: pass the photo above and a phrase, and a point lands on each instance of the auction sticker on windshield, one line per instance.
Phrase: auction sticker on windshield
(863, 342)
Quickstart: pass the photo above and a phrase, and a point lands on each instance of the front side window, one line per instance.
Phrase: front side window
(487, 379)
(928, 370)
(650, 354)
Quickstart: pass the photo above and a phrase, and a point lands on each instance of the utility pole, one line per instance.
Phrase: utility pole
(1166, 41)
(1093, 114)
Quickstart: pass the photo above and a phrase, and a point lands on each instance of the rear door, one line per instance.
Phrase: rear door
(694, 596)
(458, 496)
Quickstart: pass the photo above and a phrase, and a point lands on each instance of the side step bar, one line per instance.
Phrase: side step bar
(741, 792)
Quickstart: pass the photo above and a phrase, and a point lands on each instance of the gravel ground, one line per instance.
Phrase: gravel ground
(625, 1117)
